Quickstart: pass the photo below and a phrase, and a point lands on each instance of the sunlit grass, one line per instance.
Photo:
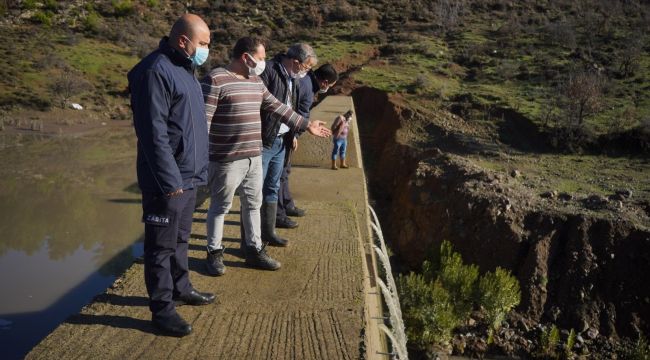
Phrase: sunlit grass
(576, 174)
(99, 60)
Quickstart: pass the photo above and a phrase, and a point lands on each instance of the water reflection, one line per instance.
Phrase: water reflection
(69, 224)
(65, 218)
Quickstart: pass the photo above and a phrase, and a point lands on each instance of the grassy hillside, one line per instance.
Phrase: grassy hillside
(495, 53)
(557, 90)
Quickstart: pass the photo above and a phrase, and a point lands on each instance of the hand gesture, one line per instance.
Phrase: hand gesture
(295, 144)
(317, 128)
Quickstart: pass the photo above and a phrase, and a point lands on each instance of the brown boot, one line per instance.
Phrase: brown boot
(334, 165)
(343, 164)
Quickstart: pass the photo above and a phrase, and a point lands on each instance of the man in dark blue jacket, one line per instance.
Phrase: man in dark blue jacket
(317, 81)
(281, 77)
(169, 120)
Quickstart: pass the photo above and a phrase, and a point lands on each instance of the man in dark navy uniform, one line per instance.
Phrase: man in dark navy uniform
(169, 121)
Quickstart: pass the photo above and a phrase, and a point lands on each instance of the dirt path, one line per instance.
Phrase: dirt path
(313, 308)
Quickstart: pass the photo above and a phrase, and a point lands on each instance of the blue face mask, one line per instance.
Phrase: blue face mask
(200, 56)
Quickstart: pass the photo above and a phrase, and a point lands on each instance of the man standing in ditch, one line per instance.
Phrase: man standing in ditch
(234, 97)
(169, 120)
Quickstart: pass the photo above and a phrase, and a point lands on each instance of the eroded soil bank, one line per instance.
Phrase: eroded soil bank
(580, 264)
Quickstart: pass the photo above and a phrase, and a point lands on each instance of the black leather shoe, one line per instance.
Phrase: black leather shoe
(285, 223)
(172, 325)
(195, 298)
(294, 211)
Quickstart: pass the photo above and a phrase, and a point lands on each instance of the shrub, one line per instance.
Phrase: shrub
(628, 59)
(429, 313)
(29, 4)
(442, 296)
(570, 342)
(51, 5)
(626, 120)
(548, 342)
(393, 48)
(343, 11)
(459, 279)
(67, 85)
(448, 14)
(581, 97)
(640, 351)
(498, 293)
(368, 36)
(313, 17)
(421, 84)
(92, 22)
(561, 33)
(123, 7)
(508, 69)
(43, 17)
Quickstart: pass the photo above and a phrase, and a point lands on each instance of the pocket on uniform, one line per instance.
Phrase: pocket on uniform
(155, 210)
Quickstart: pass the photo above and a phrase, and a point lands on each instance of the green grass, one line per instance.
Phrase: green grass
(577, 174)
(401, 77)
(332, 50)
(99, 60)
(26, 79)
(427, 58)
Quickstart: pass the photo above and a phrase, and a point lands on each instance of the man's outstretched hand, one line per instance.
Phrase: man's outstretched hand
(317, 128)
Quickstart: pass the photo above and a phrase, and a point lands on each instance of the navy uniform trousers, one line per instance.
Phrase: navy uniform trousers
(168, 223)
(285, 200)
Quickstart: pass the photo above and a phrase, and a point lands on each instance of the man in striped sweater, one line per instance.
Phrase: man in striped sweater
(234, 96)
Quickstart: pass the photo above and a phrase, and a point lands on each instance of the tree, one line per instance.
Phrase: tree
(629, 58)
(581, 97)
(67, 85)
(448, 13)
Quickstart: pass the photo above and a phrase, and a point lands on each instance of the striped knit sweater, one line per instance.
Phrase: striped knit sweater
(232, 109)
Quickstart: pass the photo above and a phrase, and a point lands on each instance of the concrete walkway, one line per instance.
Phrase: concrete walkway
(316, 307)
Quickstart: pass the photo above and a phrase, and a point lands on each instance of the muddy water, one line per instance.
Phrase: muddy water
(69, 225)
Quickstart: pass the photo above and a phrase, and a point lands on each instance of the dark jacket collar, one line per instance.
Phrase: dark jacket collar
(174, 55)
(277, 60)
(315, 86)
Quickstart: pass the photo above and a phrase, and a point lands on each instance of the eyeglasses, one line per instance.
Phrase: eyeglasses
(304, 66)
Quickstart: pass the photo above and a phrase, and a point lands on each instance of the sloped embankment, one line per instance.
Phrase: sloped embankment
(577, 270)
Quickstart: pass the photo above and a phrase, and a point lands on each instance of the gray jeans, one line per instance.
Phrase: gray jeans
(225, 178)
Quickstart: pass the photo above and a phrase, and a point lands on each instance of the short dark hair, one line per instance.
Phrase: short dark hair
(326, 72)
(246, 45)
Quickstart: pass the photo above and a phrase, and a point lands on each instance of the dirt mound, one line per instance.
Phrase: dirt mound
(577, 270)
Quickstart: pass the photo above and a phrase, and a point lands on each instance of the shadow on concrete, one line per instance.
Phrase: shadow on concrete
(227, 222)
(122, 322)
(120, 300)
(201, 247)
(205, 211)
(126, 201)
(235, 264)
(234, 252)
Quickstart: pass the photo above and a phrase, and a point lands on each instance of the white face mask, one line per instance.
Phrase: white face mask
(323, 91)
(297, 75)
(259, 67)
